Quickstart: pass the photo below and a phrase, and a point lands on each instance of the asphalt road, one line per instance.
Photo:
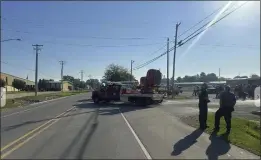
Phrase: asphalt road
(73, 127)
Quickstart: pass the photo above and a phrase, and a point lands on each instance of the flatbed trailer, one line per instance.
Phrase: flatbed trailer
(116, 93)
(141, 98)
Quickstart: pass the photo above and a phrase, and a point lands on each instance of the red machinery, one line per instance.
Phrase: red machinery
(152, 80)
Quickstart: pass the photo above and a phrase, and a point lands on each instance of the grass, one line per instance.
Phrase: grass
(244, 133)
(18, 92)
(18, 102)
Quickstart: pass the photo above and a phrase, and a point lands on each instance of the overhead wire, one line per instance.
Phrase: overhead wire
(215, 11)
(182, 43)
(206, 24)
(188, 39)
(25, 68)
(95, 37)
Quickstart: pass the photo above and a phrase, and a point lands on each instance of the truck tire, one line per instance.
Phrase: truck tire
(96, 100)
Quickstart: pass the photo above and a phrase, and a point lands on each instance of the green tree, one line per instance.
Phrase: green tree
(82, 85)
(18, 84)
(2, 83)
(117, 73)
(222, 79)
(211, 77)
(77, 83)
(94, 83)
(68, 78)
(202, 77)
(179, 79)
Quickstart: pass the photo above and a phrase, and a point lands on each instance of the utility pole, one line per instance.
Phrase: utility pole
(174, 59)
(167, 66)
(62, 63)
(131, 69)
(219, 74)
(37, 49)
(81, 75)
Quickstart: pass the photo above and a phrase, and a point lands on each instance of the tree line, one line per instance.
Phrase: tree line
(43, 84)
(114, 72)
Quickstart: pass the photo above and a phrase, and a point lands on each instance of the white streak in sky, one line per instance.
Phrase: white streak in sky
(207, 27)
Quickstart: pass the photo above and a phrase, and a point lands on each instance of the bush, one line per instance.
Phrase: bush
(18, 84)
(2, 83)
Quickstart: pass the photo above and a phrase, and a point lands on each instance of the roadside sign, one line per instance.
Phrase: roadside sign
(3, 96)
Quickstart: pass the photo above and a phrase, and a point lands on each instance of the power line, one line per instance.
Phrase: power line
(215, 11)
(157, 51)
(211, 24)
(22, 67)
(181, 44)
(103, 46)
(95, 37)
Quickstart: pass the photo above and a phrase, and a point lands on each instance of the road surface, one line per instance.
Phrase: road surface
(73, 127)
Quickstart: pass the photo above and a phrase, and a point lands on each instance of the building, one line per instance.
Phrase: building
(8, 78)
(51, 85)
(56, 86)
(244, 81)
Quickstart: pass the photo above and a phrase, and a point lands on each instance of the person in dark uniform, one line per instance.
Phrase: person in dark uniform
(203, 106)
(227, 103)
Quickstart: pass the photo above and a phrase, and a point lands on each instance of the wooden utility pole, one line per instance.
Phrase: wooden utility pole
(62, 63)
(167, 66)
(131, 69)
(37, 49)
(81, 75)
(174, 59)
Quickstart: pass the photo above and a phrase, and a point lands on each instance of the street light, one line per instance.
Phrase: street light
(18, 39)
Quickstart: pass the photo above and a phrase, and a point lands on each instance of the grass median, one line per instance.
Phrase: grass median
(23, 101)
(244, 133)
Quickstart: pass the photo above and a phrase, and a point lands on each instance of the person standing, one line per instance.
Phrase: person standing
(227, 103)
(203, 106)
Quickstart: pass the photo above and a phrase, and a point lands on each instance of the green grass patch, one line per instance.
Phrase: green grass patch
(244, 133)
(17, 92)
(23, 101)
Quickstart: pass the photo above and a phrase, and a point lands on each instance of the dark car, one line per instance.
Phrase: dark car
(211, 89)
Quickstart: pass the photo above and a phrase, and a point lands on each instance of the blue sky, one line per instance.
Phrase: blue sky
(91, 35)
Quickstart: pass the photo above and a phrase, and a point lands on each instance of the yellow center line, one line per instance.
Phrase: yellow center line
(34, 130)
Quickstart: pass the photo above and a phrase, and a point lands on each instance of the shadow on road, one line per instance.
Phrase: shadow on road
(79, 135)
(112, 108)
(186, 142)
(86, 141)
(85, 100)
(219, 146)
(4, 129)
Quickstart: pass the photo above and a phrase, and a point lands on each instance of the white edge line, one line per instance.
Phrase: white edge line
(136, 137)
(34, 107)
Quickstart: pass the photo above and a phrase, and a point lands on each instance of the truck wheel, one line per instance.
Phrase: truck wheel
(96, 100)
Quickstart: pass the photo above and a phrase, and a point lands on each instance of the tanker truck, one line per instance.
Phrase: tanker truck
(144, 94)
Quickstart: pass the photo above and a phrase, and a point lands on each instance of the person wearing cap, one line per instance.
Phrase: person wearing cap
(203, 106)
(227, 103)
